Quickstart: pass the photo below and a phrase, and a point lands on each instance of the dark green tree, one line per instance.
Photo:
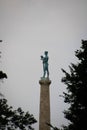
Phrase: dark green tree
(13, 119)
(76, 95)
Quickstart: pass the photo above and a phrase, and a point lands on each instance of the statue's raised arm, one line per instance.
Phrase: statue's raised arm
(45, 59)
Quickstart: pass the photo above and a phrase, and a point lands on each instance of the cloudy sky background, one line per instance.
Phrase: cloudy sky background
(28, 28)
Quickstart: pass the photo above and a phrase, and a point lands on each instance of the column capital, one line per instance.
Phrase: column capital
(44, 81)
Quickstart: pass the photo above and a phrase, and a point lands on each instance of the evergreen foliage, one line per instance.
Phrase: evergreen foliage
(76, 95)
(12, 119)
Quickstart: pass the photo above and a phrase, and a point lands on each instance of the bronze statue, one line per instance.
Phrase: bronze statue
(45, 64)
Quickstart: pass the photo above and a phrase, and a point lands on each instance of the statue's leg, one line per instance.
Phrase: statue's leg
(44, 74)
(47, 73)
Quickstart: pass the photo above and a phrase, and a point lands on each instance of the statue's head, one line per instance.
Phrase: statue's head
(46, 52)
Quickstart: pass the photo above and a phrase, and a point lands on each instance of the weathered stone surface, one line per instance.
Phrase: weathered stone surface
(44, 116)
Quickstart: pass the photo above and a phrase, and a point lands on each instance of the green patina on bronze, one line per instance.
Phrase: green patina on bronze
(45, 59)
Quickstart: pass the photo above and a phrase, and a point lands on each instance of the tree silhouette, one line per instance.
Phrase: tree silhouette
(76, 95)
(12, 119)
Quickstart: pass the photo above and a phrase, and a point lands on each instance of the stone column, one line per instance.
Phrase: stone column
(44, 116)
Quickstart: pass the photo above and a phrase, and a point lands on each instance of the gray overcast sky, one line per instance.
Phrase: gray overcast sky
(28, 28)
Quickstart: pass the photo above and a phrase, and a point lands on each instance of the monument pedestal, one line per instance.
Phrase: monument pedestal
(44, 116)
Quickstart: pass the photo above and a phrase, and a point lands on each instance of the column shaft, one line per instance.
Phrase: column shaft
(44, 116)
